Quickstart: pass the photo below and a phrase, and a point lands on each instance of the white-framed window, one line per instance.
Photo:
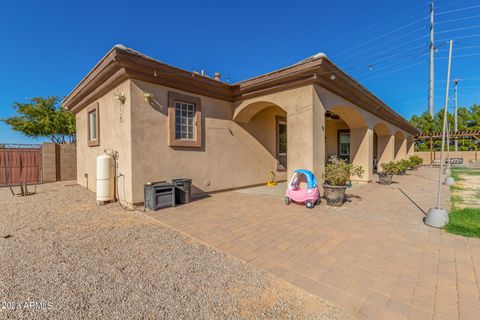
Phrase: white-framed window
(93, 125)
(184, 121)
(92, 119)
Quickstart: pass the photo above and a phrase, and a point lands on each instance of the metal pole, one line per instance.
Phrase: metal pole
(431, 79)
(448, 148)
(445, 105)
(455, 114)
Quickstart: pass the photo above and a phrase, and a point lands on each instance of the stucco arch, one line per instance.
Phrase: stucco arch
(245, 112)
(382, 129)
(352, 117)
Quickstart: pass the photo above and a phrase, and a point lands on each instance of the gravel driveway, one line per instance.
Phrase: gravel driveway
(61, 256)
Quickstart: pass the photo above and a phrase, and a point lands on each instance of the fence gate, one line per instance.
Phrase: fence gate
(20, 163)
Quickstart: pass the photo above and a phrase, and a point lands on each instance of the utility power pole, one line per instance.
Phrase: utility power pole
(438, 217)
(431, 79)
(455, 114)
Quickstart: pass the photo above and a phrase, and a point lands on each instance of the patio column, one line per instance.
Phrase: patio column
(386, 148)
(306, 139)
(410, 147)
(400, 148)
(361, 152)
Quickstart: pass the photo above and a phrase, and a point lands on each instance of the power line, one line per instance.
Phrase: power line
(450, 3)
(459, 29)
(462, 37)
(462, 56)
(396, 70)
(395, 64)
(387, 42)
(384, 35)
(394, 17)
(459, 19)
(456, 10)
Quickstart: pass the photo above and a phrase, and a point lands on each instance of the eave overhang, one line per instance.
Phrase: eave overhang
(121, 63)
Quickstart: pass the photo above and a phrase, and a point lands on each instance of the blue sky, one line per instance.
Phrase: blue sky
(48, 46)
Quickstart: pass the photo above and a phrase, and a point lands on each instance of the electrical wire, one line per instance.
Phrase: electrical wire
(462, 37)
(384, 35)
(459, 19)
(450, 3)
(461, 56)
(396, 70)
(456, 10)
(394, 65)
(394, 17)
(459, 29)
(390, 41)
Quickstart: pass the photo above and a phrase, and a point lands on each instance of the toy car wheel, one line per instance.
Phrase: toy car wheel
(288, 201)
(309, 204)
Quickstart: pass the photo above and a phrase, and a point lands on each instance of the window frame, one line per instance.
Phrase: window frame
(279, 121)
(93, 142)
(339, 133)
(196, 142)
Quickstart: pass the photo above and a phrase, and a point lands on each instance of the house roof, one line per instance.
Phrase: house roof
(121, 63)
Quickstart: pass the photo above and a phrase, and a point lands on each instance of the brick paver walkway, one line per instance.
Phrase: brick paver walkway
(374, 256)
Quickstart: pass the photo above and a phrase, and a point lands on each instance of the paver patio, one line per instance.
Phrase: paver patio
(374, 256)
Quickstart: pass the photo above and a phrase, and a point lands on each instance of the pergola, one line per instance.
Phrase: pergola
(461, 134)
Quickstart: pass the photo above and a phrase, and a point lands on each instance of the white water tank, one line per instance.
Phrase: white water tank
(105, 178)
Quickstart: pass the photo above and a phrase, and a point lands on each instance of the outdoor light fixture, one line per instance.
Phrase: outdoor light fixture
(332, 77)
(148, 97)
(120, 96)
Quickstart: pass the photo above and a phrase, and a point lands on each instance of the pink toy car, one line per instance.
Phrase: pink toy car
(309, 196)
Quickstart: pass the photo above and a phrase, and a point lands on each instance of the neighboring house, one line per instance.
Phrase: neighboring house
(170, 123)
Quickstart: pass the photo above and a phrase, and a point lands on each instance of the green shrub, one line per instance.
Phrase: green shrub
(390, 168)
(403, 165)
(415, 161)
(338, 172)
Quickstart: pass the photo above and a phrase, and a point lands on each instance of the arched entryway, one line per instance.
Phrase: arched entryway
(383, 142)
(266, 122)
(348, 137)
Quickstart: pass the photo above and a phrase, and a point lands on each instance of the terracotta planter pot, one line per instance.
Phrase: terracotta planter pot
(334, 195)
(384, 178)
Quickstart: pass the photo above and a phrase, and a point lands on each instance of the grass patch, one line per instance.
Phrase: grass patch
(464, 222)
(457, 188)
(456, 199)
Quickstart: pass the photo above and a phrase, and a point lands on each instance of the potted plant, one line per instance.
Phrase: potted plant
(389, 169)
(337, 176)
(415, 161)
(403, 166)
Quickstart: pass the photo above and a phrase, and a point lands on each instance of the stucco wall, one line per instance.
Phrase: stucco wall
(466, 155)
(231, 156)
(115, 128)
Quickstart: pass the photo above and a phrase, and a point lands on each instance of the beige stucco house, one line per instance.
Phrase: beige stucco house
(166, 123)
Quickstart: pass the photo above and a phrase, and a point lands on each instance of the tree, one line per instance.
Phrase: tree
(468, 119)
(43, 117)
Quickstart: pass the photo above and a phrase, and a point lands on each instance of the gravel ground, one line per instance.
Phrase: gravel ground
(61, 256)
